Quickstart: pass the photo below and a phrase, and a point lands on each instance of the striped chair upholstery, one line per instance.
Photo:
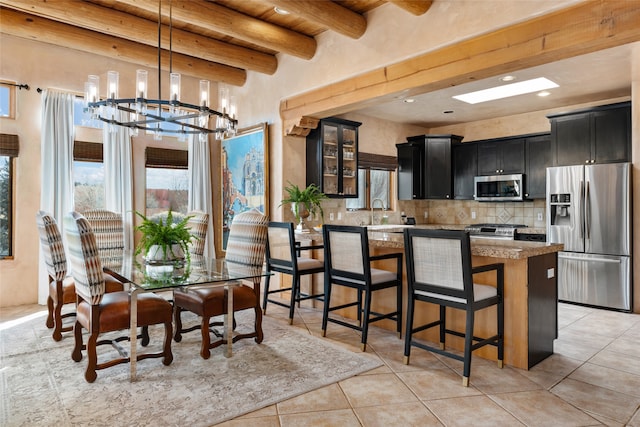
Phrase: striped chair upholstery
(198, 224)
(247, 238)
(98, 311)
(61, 291)
(108, 229)
(245, 247)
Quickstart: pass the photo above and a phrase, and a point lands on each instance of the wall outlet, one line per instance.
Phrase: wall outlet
(331, 216)
(473, 214)
(426, 214)
(539, 216)
(339, 216)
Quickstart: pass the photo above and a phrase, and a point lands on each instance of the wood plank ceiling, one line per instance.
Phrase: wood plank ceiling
(219, 40)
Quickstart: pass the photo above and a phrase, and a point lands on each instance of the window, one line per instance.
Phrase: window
(9, 148)
(88, 176)
(167, 180)
(375, 174)
(7, 99)
(81, 117)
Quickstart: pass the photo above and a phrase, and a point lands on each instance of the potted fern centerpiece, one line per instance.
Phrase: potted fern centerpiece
(304, 203)
(164, 241)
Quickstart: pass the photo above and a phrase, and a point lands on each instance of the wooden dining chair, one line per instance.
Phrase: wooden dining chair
(245, 247)
(61, 286)
(439, 272)
(284, 256)
(348, 264)
(100, 312)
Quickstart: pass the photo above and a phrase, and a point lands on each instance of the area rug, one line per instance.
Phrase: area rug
(40, 385)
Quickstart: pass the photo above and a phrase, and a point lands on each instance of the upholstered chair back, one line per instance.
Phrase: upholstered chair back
(198, 224)
(438, 261)
(108, 230)
(281, 244)
(247, 238)
(52, 247)
(348, 250)
(84, 260)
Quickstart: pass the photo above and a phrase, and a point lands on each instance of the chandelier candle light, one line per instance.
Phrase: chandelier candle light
(157, 115)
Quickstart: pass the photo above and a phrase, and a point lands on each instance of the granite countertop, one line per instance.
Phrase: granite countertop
(509, 249)
(390, 236)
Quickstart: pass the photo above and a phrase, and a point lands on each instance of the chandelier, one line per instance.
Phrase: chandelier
(160, 116)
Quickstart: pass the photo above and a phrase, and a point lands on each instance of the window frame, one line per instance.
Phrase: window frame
(12, 98)
(10, 147)
(163, 158)
(368, 162)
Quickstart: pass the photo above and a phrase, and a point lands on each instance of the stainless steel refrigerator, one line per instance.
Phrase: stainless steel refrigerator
(589, 211)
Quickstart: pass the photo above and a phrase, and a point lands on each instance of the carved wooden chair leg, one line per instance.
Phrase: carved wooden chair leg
(206, 339)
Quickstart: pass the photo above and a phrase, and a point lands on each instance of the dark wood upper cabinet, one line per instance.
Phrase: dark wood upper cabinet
(597, 135)
(538, 159)
(501, 157)
(332, 157)
(410, 169)
(425, 167)
(465, 168)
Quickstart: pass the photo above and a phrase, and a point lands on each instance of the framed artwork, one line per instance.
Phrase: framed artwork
(245, 174)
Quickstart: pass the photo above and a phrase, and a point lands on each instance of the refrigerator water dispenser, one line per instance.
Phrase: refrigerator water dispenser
(560, 206)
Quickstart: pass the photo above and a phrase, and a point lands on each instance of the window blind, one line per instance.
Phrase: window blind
(166, 158)
(9, 145)
(377, 161)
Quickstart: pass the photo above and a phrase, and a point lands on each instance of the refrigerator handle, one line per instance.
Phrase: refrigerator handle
(587, 211)
(581, 210)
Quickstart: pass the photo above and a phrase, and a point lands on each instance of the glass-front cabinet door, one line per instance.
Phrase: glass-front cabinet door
(332, 157)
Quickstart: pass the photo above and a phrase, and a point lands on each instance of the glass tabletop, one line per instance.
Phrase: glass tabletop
(198, 270)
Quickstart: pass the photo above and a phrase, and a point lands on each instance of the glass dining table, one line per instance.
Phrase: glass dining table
(199, 271)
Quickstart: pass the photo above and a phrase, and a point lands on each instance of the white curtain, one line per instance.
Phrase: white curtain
(200, 185)
(118, 176)
(57, 136)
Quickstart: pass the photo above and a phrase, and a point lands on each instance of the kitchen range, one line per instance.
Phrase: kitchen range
(494, 231)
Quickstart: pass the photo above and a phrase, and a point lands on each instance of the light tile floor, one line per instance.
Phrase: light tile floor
(592, 379)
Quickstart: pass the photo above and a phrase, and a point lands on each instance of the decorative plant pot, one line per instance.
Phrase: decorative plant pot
(303, 213)
(155, 254)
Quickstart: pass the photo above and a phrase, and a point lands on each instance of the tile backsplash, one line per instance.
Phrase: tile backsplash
(463, 212)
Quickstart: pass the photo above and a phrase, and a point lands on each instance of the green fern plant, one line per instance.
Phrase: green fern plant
(164, 233)
(311, 196)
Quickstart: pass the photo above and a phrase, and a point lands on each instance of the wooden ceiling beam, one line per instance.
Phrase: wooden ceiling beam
(32, 27)
(212, 16)
(416, 7)
(576, 30)
(326, 13)
(123, 25)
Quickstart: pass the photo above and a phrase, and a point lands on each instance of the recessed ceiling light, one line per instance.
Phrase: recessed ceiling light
(280, 11)
(505, 91)
(507, 78)
(409, 100)
(544, 93)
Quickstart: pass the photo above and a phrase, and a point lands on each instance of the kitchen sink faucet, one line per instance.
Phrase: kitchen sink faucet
(373, 203)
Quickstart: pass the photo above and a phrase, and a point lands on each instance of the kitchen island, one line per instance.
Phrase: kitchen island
(530, 297)
(530, 293)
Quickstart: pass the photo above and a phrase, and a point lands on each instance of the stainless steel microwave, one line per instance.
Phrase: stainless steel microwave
(499, 188)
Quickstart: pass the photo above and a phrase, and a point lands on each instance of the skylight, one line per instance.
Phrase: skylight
(505, 91)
